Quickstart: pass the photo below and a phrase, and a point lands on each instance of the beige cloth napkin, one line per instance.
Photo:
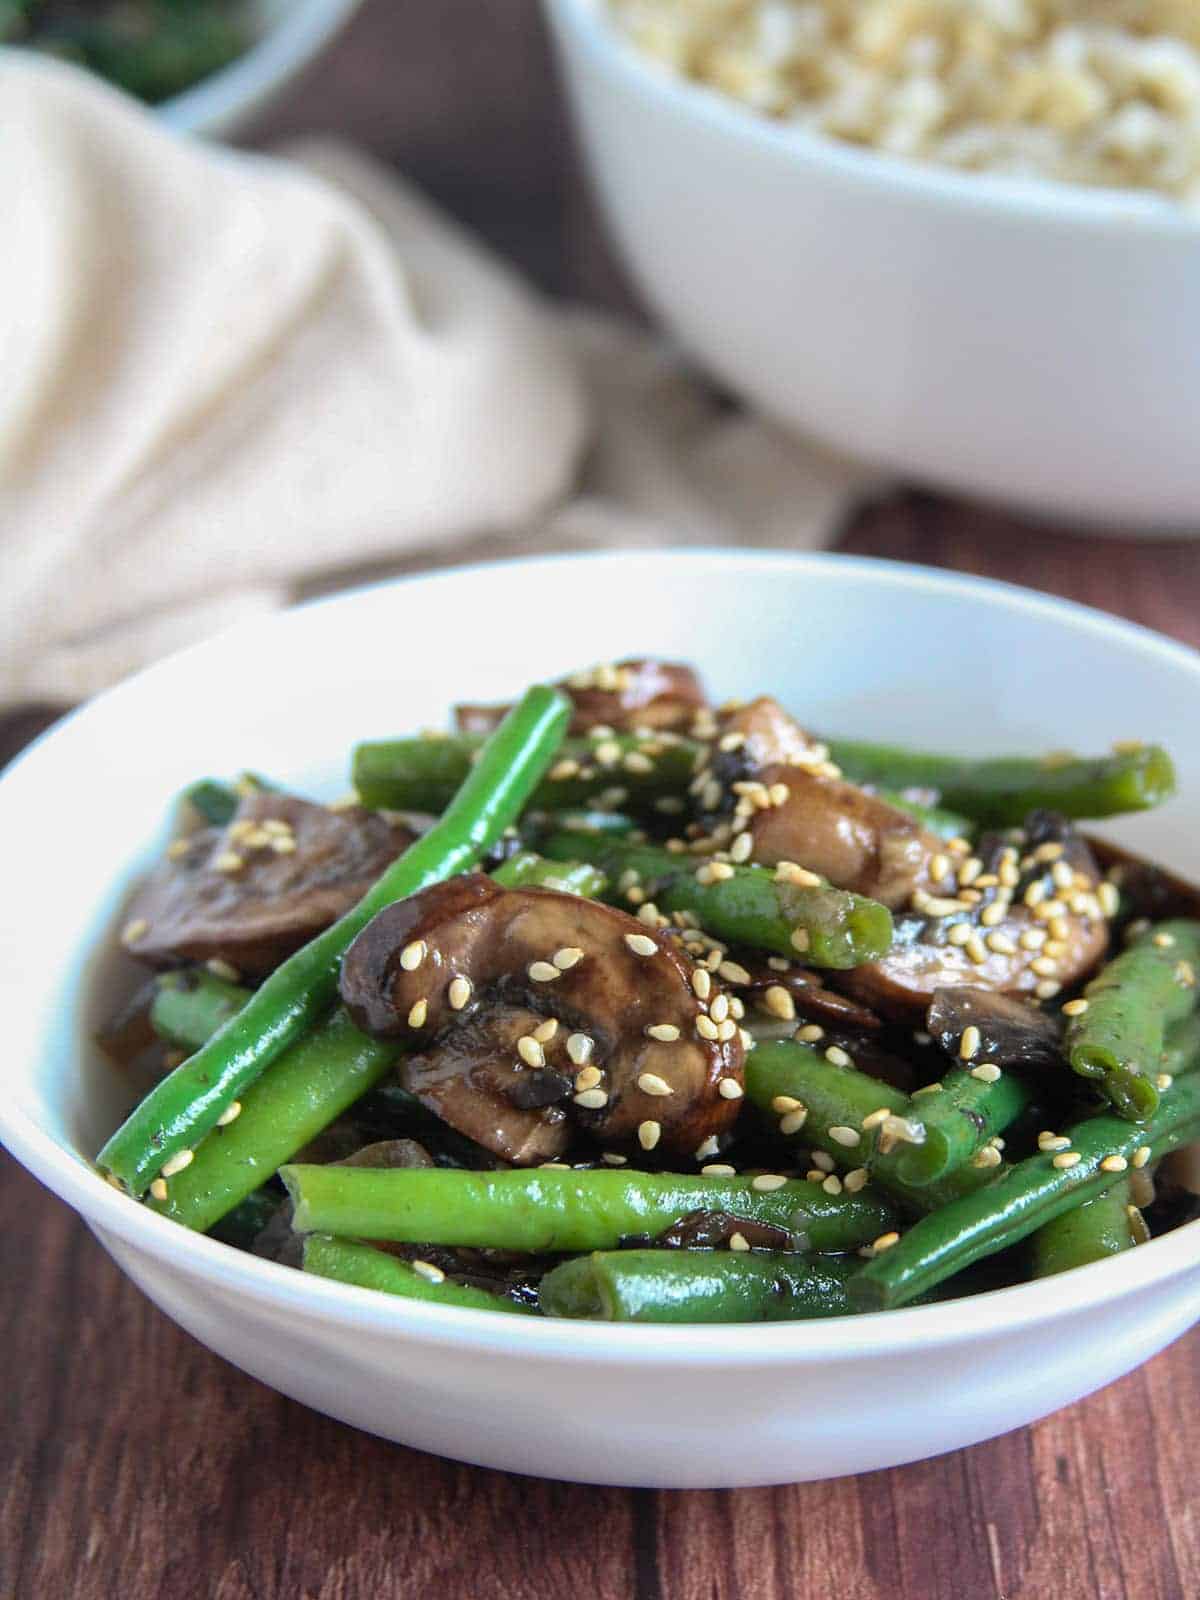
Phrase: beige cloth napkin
(228, 377)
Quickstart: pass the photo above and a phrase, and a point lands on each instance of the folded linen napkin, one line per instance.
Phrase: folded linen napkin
(228, 377)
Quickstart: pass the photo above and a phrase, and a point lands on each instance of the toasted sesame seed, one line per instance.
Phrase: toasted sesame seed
(1109, 899)
(738, 1241)
(976, 950)
(989, 1156)
(459, 993)
(230, 1114)
(767, 1181)
(1115, 1163)
(580, 1047)
(741, 847)
(1001, 944)
(706, 1027)
(228, 861)
(727, 1030)
(418, 1013)
(959, 933)
(664, 1032)
(427, 1270)
(158, 1189)
(986, 1072)
(1164, 1080)
(799, 877)
(793, 1122)
(651, 1083)
(993, 914)
(780, 1003)
(610, 1158)
(885, 1241)
(876, 1119)
(719, 1009)
(970, 870)
(641, 945)
(730, 1089)
(545, 1031)
(800, 940)
(823, 1160)
(783, 1103)
(649, 1133)
(530, 1051)
(1047, 989)
(811, 1032)
(1044, 967)
(832, 1184)
(733, 973)
(939, 866)
(701, 983)
(1052, 1141)
(413, 954)
(842, 1135)
(177, 1162)
(719, 1169)
(1066, 1159)
(855, 1180)
(588, 1077)
(592, 1100)
(1140, 1156)
(968, 1045)
(814, 1175)
(134, 930)
(837, 1056)
(543, 971)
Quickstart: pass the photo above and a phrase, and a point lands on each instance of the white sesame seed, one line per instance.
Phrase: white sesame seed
(986, 1072)
(545, 1031)
(418, 1013)
(876, 1119)
(592, 1100)
(177, 1162)
(968, 1045)
(706, 1027)
(855, 1180)
(799, 877)
(800, 940)
(976, 950)
(837, 1057)
(844, 1136)
(543, 972)
(228, 861)
(664, 1032)
(1140, 1156)
(1066, 1159)
(413, 954)
(1044, 967)
(158, 1189)
(641, 945)
(1047, 989)
(810, 1033)
(649, 1133)
(1001, 944)
(719, 1009)
(588, 1077)
(732, 972)
(794, 1121)
(566, 958)
(429, 1272)
(885, 1241)
(738, 1241)
(989, 1156)
(1115, 1163)
(133, 930)
(459, 993)
(780, 1003)
(741, 847)
(651, 1083)
(767, 1181)
(1109, 898)
(701, 983)
(822, 1160)
(719, 1169)
(230, 1114)
(832, 1184)
(610, 1158)
(730, 1089)
(727, 1030)
(970, 870)
(580, 1047)
(959, 933)
(708, 1147)
(530, 1051)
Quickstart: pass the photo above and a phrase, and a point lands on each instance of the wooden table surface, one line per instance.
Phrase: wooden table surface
(139, 1465)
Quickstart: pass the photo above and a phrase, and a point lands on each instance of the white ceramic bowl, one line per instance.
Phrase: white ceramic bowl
(288, 35)
(873, 648)
(1030, 342)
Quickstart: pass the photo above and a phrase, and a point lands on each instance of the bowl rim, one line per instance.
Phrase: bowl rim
(225, 1269)
(875, 172)
(220, 101)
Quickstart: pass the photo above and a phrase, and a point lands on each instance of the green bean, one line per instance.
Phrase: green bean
(241, 1226)
(959, 1118)
(1134, 999)
(1034, 1192)
(217, 802)
(1181, 1047)
(935, 819)
(999, 791)
(696, 1286)
(349, 1262)
(1098, 1228)
(545, 1210)
(529, 871)
(422, 774)
(831, 927)
(185, 1106)
(188, 1007)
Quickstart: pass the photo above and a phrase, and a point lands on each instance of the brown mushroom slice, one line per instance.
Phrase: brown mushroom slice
(766, 735)
(854, 839)
(641, 693)
(1012, 1032)
(667, 1075)
(253, 892)
(810, 1000)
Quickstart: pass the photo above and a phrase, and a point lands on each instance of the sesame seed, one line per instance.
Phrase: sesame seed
(780, 1003)
(569, 956)
(767, 1181)
(855, 1180)
(926, 1088)
(1001, 944)
(800, 940)
(588, 1077)
(545, 1031)
(823, 1160)
(876, 1119)
(779, 794)
(580, 1047)
(1066, 1159)
(1035, 894)
(459, 993)
(418, 1013)
(885, 1241)
(1164, 941)
(814, 1175)
(649, 1133)
(635, 761)
(989, 1156)
(793, 1122)
(413, 954)
(970, 870)
(664, 1032)
(1063, 875)
(158, 1189)
(530, 1051)
(832, 1184)
(741, 847)
(738, 1241)
(719, 1169)
(1110, 900)
(1140, 1156)
(544, 972)
(222, 969)
(1044, 967)
(701, 983)
(706, 1027)
(848, 1137)
(1052, 1141)
(939, 866)
(837, 1056)
(959, 933)
(651, 1083)
(991, 915)
(799, 877)
(733, 973)
(177, 1162)
(730, 1089)
(968, 1045)
(228, 861)
(1164, 1080)
(719, 1009)
(1113, 1164)
(592, 1100)
(607, 753)
(640, 944)
(610, 1158)
(1185, 975)
(134, 930)
(976, 950)
(562, 770)
(783, 1103)
(1138, 1226)
(811, 1032)
(986, 1072)
(727, 1030)
(230, 1114)
(1047, 989)
(708, 1147)
(429, 1272)
(1032, 939)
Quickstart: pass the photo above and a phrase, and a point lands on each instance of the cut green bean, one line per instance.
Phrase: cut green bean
(959, 1119)
(829, 927)
(696, 1286)
(422, 774)
(349, 1262)
(189, 1006)
(529, 871)
(543, 1210)
(1093, 1231)
(999, 791)
(185, 1106)
(1120, 1038)
(935, 819)
(1034, 1192)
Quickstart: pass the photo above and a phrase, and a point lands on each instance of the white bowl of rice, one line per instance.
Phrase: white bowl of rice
(957, 238)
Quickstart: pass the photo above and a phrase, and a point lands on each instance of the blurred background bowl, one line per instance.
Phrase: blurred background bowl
(1026, 341)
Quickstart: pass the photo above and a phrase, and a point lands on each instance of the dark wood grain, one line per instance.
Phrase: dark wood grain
(138, 1465)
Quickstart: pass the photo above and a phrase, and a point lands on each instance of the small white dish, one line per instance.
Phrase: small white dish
(1030, 342)
(871, 648)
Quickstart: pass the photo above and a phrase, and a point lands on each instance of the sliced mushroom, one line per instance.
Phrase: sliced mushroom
(253, 892)
(664, 695)
(810, 1000)
(620, 994)
(1011, 1031)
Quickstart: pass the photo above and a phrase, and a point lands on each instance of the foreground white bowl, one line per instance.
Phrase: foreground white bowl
(1030, 342)
(869, 647)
